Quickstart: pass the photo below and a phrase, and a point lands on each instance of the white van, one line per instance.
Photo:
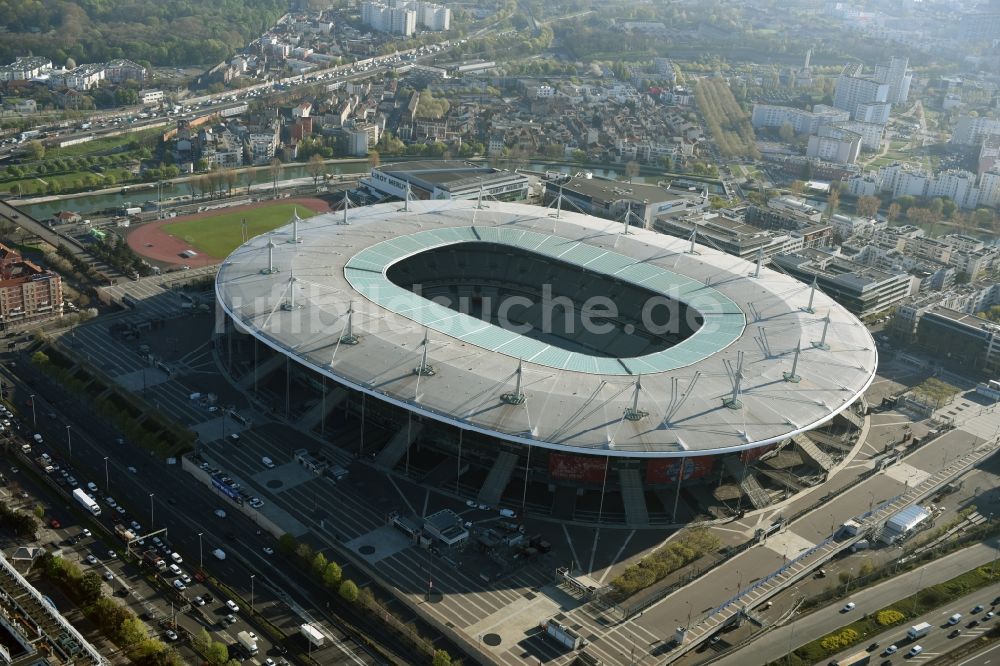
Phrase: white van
(954, 619)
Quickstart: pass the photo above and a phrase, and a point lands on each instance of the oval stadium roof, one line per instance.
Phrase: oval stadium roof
(729, 386)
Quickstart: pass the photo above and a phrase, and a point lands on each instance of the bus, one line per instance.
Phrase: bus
(90, 505)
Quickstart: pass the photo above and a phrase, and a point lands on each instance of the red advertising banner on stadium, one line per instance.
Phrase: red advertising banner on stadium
(589, 469)
(664, 470)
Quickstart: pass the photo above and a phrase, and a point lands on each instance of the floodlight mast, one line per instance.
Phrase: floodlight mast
(734, 402)
(791, 376)
(633, 413)
(826, 327)
(517, 397)
(348, 338)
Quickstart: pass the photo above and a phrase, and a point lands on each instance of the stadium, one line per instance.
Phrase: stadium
(546, 361)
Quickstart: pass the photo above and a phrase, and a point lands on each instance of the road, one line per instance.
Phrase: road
(776, 644)
(34, 227)
(942, 637)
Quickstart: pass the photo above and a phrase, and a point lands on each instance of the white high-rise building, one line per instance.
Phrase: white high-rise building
(957, 185)
(970, 131)
(896, 77)
(860, 95)
(402, 16)
(989, 189)
(434, 17)
(382, 18)
(802, 121)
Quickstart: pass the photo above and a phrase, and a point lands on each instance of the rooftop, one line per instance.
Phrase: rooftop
(611, 190)
(574, 401)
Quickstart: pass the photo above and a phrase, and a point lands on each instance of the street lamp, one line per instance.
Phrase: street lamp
(201, 563)
(150, 511)
(34, 421)
(107, 479)
(252, 576)
(69, 439)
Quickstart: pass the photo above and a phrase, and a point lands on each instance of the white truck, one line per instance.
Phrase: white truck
(918, 631)
(312, 634)
(80, 495)
(247, 641)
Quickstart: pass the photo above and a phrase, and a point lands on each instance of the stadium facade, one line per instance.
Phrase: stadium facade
(545, 360)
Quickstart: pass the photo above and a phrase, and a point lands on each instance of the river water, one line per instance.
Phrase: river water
(137, 195)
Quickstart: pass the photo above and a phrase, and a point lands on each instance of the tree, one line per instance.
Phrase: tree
(348, 590)
(893, 213)
(867, 206)
(276, 168)
(786, 132)
(304, 551)
(131, 632)
(332, 574)
(150, 651)
(90, 588)
(315, 168)
(217, 654)
(983, 218)
(202, 640)
(287, 543)
(319, 564)
(373, 158)
(441, 658)
(833, 201)
(631, 170)
(35, 150)
(228, 176)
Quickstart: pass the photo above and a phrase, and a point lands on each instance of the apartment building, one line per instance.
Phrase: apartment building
(27, 291)
(862, 290)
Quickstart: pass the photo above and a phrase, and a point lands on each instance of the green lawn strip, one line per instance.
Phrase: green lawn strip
(101, 144)
(220, 234)
(893, 615)
(67, 180)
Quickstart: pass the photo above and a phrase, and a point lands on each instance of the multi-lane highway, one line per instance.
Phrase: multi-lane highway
(777, 643)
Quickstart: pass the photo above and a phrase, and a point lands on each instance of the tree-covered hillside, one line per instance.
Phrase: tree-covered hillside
(163, 32)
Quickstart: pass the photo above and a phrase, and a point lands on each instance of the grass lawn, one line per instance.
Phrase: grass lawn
(37, 185)
(101, 144)
(218, 235)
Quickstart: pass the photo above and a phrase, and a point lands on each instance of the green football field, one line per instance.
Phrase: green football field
(218, 235)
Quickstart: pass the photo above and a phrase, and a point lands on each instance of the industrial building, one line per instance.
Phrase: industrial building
(445, 179)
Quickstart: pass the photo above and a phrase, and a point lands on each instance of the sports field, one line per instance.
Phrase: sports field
(216, 235)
